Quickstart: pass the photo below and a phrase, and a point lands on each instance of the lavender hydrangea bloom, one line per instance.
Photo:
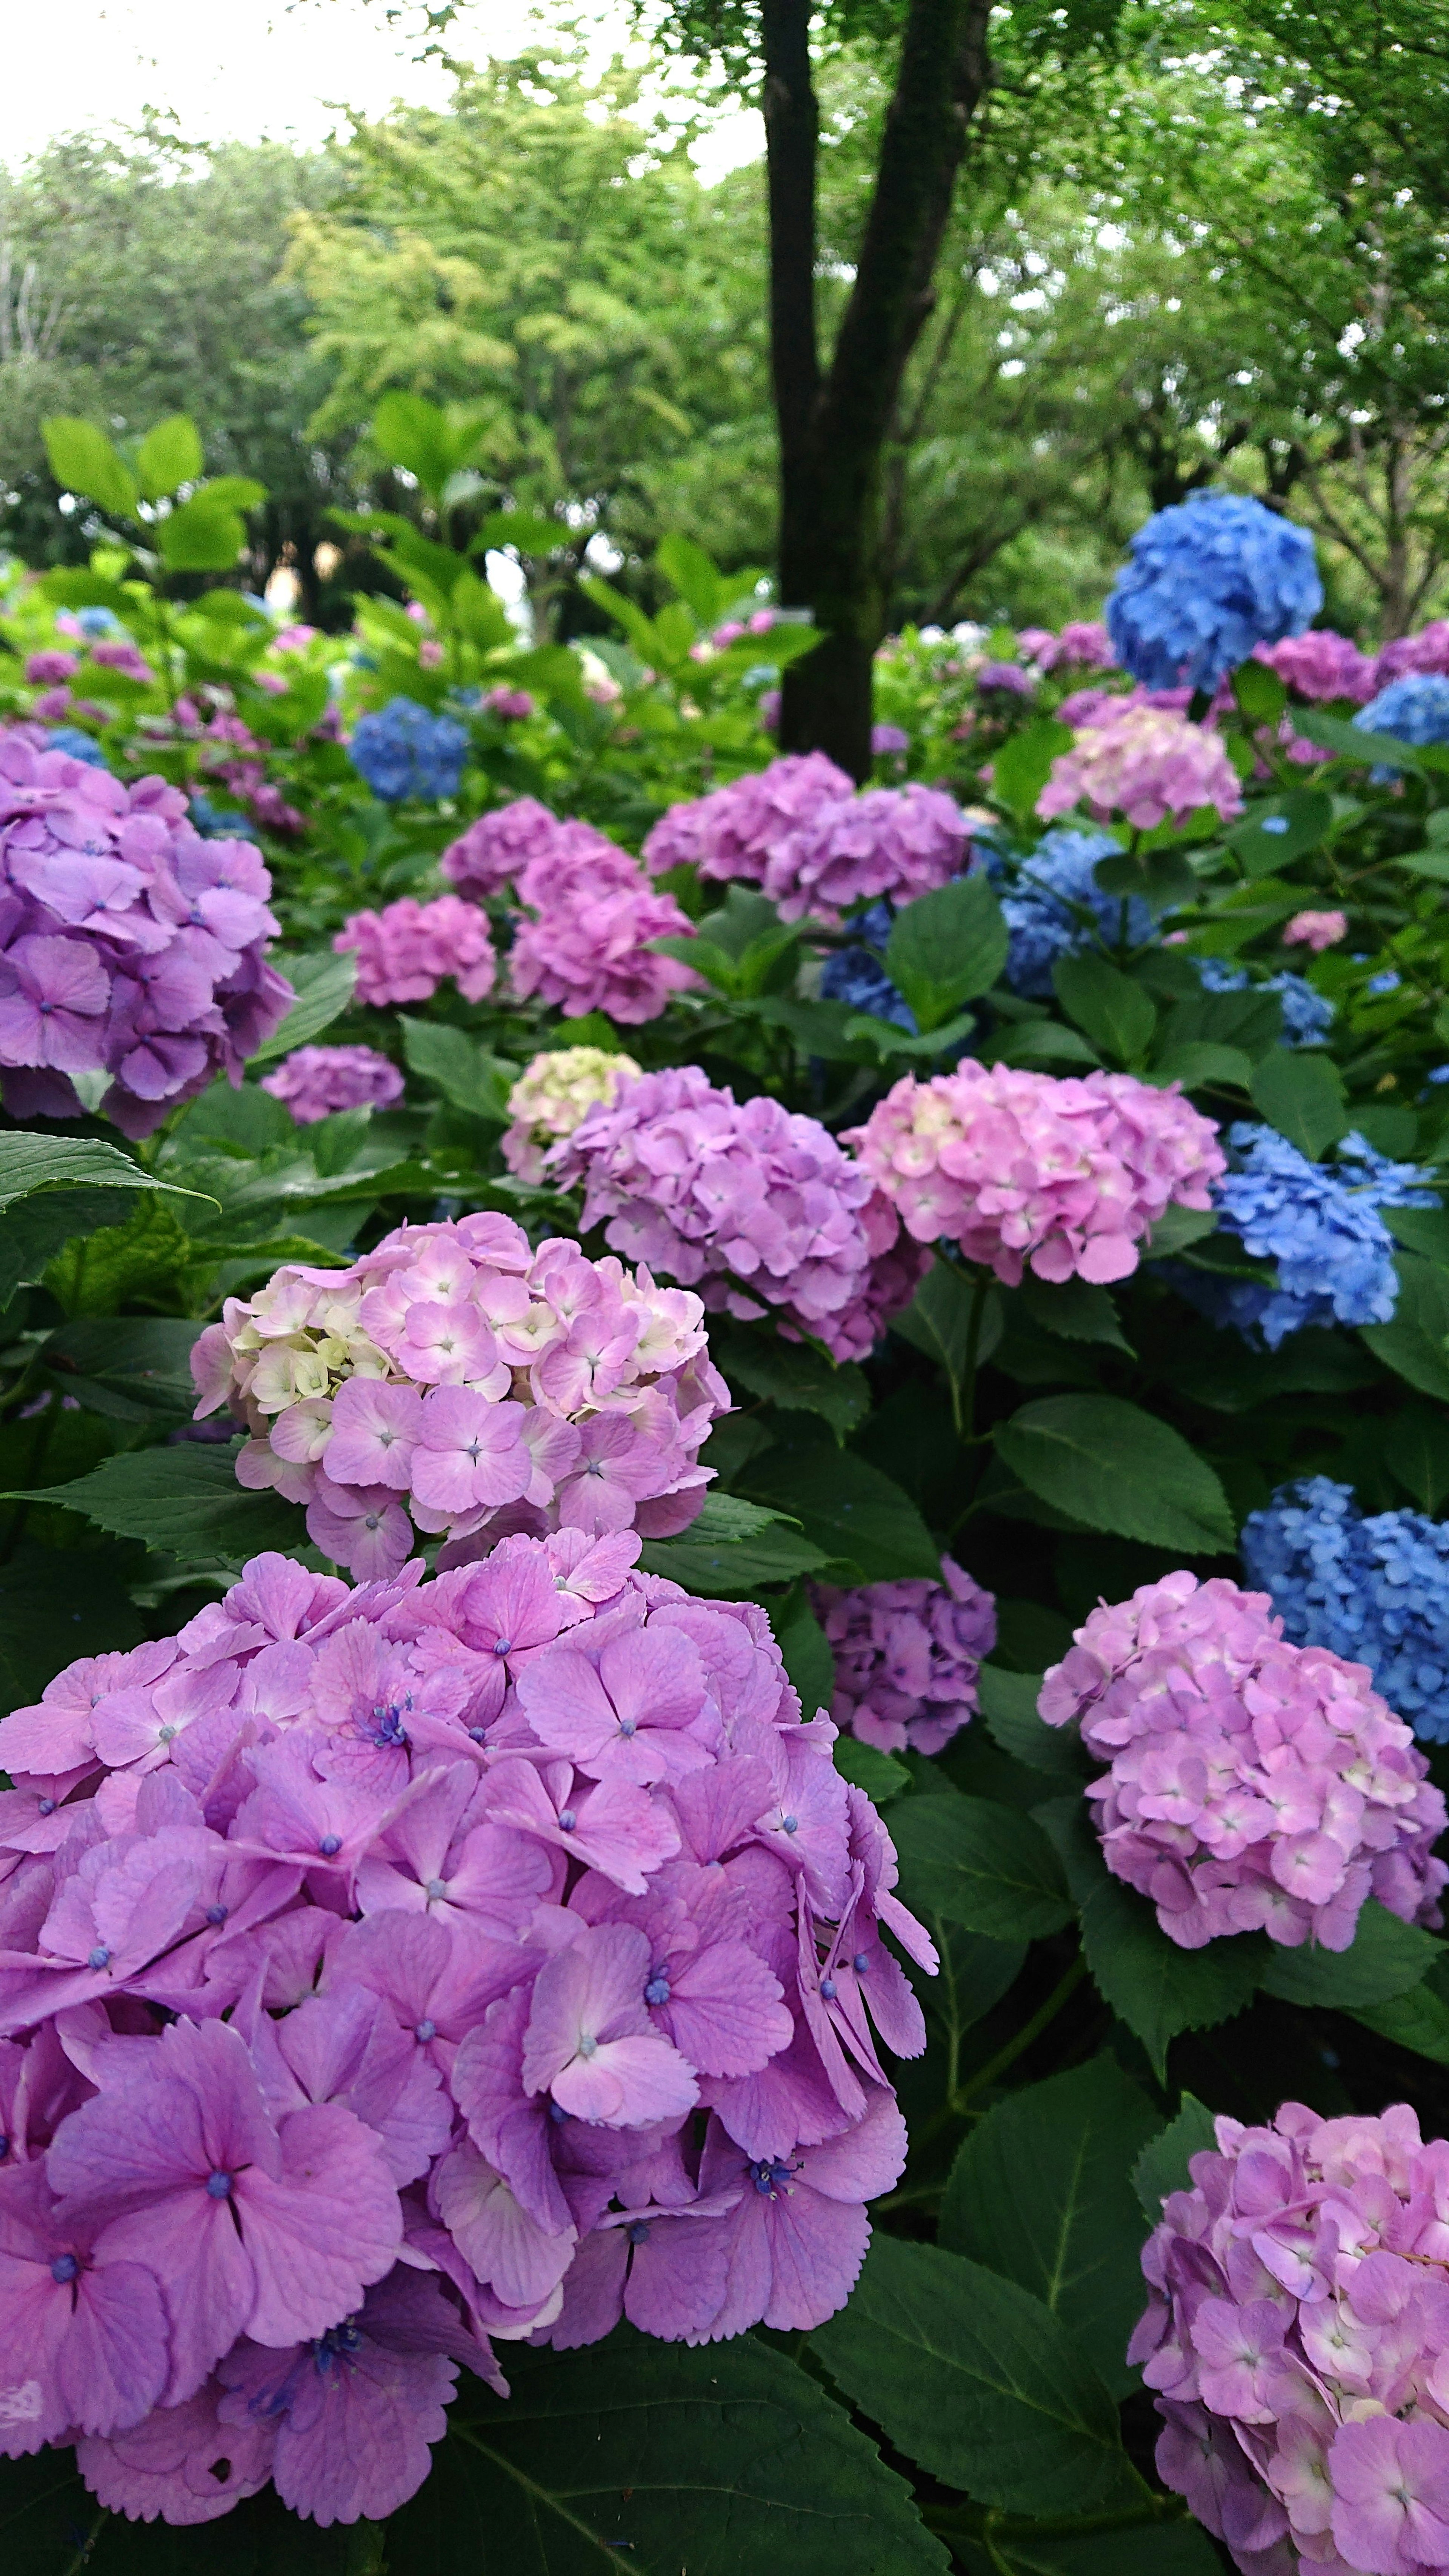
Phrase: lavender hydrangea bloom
(1414, 709)
(1206, 581)
(1308, 1015)
(907, 1657)
(1320, 1224)
(316, 1081)
(1375, 1588)
(408, 751)
(410, 1926)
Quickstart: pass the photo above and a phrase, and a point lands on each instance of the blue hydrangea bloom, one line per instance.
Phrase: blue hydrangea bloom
(1307, 1015)
(81, 746)
(1387, 982)
(1374, 1589)
(1320, 1224)
(98, 621)
(408, 751)
(857, 976)
(219, 823)
(1053, 906)
(1414, 710)
(1206, 581)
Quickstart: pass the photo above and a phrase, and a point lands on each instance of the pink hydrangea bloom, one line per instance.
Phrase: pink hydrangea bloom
(1426, 651)
(550, 1097)
(895, 841)
(315, 1081)
(1320, 666)
(43, 670)
(734, 830)
(907, 1656)
(1145, 763)
(1254, 1785)
(584, 944)
(757, 1208)
(1297, 2336)
(1315, 930)
(439, 1964)
(405, 951)
(1069, 1172)
(457, 1375)
(492, 854)
(129, 946)
(1083, 643)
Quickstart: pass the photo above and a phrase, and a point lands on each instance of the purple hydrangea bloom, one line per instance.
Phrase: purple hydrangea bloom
(907, 1657)
(1205, 582)
(317, 1081)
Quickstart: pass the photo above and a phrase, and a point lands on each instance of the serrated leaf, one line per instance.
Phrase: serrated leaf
(464, 1072)
(946, 948)
(1198, 1064)
(1349, 741)
(1300, 1092)
(1163, 2166)
(1008, 1704)
(1074, 1309)
(793, 1376)
(324, 984)
(1418, 2020)
(976, 2380)
(1041, 2192)
(1112, 1467)
(83, 460)
(1161, 2546)
(185, 1499)
(141, 1362)
(1119, 1016)
(985, 1866)
(1178, 1227)
(866, 1767)
(859, 1519)
(1384, 1959)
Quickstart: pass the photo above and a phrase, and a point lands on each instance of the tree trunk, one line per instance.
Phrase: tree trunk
(834, 423)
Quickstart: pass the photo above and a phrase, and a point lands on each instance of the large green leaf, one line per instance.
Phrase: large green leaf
(1008, 1704)
(946, 948)
(793, 1375)
(1415, 1342)
(1418, 2020)
(464, 1072)
(169, 455)
(731, 1549)
(978, 2382)
(132, 1366)
(83, 460)
(1164, 2164)
(56, 1604)
(939, 1319)
(646, 2456)
(856, 1516)
(51, 2526)
(1300, 1092)
(1307, 813)
(323, 983)
(185, 1499)
(1023, 765)
(29, 1163)
(1385, 1958)
(986, 1866)
(1150, 2546)
(1118, 1015)
(1113, 1467)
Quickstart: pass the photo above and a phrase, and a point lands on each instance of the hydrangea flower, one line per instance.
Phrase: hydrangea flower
(441, 1965)
(492, 854)
(1296, 2336)
(457, 1375)
(907, 1656)
(1253, 1785)
(1426, 651)
(1070, 1173)
(405, 951)
(1204, 583)
(44, 670)
(213, 822)
(584, 944)
(1053, 906)
(1082, 644)
(130, 949)
(856, 975)
(886, 739)
(1373, 1587)
(1318, 1223)
(1414, 709)
(550, 1097)
(316, 1081)
(893, 841)
(1315, 930)
(757, 1208)
(1008, 677)
(406, 750)
(1308, 1015)
(1321, 666)
(1145, 763)
(733, 831)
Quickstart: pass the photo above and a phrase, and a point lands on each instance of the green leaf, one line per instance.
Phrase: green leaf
(650, 2457)
(695, 576)
(1350, 742)
(132, 1366)
(1046, 1042)
(946, 948)
(323, 983)
(1416, 1453)
(793, 1376)
(1041, 2192)
(859, 1518)
(1300, 1092)
(169, 455)
(52, 1162)
(1118, 1015)
(1418, 2020)
(102, 1268)
(1163, 878)
(1384, 1959)
(1113, 1467)
(1178, 1227)
(976, 2380)
(866, 1767)
(1149, 2547)
(1260, 694)
(1023, 765)
(83, 460)
(412, 432)
(1163, 2166)
(982, 1865)
(1415, 1343)
(1198, 1064)
(731, 1548)
(464, 1072)
(204, 534)
(938, 1322)
(185, 1499)
(806, 1649)
(1008, 1705)
(1308, 814)
(42, 1213)
(56, 1604)
(1074, 1310)
(1423, 1230)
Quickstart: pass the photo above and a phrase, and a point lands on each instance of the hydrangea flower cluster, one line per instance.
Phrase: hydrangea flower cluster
(1374, 1587)
(551, 1096)
(757, 1208)
(1321, 1227)
(1308, 1015)
(492, 854)
(1204, 583)
(457, 1375)
(732, 831)
(800, 831)
(317, 1081)
(588, 946)
(1426, 651)
(398, 1936)
(1053, 906)
(907, 1657)
(1414, 709)
(1315, 930)
(405, 951)
(132, 952)
(1146, 764)
(1253, 1785)
(1321, 666)
(1298, 2338)
(406, 750)
(1069, 1172)
(1082, 644)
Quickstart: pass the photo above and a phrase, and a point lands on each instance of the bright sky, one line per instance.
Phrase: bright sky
(246, 68)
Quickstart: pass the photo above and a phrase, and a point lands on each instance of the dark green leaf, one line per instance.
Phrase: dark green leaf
(1163, 878)
(1424, 1230)
(1041, 2191)
(55, 1604)
(1308, 813)
(1046, 1042)
(1384, 1959)
(1149, 2548)
(653, 2458)
(1023, 765)
(982, 1865)
(806, 1649)
(39, 1227)
(939, 1320)
(1118, 1015)
(793, 1376)
(1260, 694)
(1300, 1092)
(30, 1163)
(1416, 1453)
(731, 1548)
(867, 1768)
(145, 1255)
(1163, 2165)
(1415, 1343)
(464, 1072)
(1418, 2020)
(1074, 1310)
(141, 1361)
(946, 948)
(186, 1499)
(323, 984)
(1008, 1704)
(1111, 1466)
(1350, 741)
(1251, 1021)
(976, 2380)
(859, 1518)
(1178, 1227)
(83, 460)
(1198, 1064)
